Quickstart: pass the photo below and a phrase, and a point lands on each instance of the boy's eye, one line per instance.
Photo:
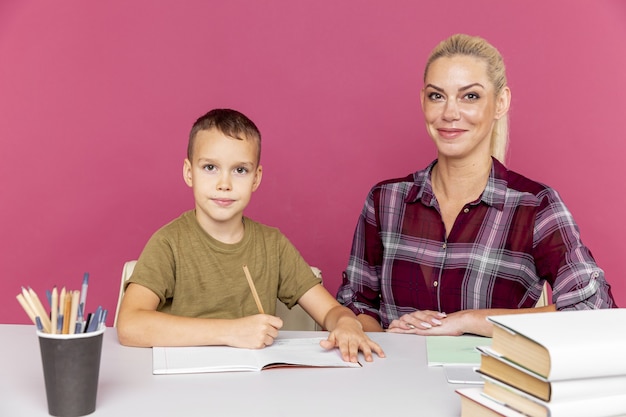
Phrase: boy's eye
(241, 170)
(209, 167)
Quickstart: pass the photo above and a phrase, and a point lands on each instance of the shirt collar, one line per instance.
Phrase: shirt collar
(493, 195)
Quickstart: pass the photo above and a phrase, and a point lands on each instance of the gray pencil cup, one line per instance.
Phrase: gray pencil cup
(71, 367)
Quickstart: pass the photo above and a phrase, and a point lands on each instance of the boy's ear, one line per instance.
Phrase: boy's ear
(257, 178)
(187, 173)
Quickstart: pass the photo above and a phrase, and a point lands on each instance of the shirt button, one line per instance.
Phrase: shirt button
(444, 246)
(435, 284)
(466, 210)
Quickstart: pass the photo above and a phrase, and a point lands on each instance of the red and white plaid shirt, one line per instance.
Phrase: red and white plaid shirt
(500, 251)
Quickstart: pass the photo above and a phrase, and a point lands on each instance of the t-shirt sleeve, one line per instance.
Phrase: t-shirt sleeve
(155, 269)
(296, 276)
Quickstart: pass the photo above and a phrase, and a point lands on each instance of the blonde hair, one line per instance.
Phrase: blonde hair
(474, 46)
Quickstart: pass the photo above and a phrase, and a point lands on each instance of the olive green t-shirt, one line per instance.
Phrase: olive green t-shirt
(195, 275)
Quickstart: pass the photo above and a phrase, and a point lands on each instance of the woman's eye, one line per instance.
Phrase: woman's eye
(435, 96)
(472, 96)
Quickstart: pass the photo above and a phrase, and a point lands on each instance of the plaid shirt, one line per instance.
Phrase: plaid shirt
(500, 251)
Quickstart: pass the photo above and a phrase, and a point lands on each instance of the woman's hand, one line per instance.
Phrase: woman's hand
(420, 320)
(426, 322)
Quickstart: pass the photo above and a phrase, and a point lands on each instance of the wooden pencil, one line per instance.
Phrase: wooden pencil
(40, 310)
(26, 307)
(253, 289)
(54, 313)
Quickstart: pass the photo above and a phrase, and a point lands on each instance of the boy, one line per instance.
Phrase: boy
(189, 287)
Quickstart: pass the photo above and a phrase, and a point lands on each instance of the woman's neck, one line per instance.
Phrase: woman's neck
(460, 181)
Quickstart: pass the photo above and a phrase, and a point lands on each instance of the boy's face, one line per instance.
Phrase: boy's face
(223, 175)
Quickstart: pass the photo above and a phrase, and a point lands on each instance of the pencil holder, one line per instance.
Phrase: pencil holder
(71, 367)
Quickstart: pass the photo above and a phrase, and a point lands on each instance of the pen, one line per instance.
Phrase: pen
(39, 324)
(95, 320)
(83, 299)
(61, 318)
(103, 319)
(87, 322)
(79, 320)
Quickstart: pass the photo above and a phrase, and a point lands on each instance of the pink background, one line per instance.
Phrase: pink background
(97, 98)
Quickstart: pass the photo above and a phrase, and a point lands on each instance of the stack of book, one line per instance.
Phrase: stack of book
(570, 363)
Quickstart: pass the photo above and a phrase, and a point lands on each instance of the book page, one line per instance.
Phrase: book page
(283, 352)
(199, 359)
(302, 352)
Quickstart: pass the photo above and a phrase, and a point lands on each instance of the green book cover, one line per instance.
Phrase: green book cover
(456, 350)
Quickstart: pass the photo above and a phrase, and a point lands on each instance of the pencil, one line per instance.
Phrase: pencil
(26, 307)
(73, 311)
(29, 301)
(253, 289)
(67, 308)
(39, 310)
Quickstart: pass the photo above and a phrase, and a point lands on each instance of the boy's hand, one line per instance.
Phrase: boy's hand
(349, 337)
(346, 332)
(255, 332)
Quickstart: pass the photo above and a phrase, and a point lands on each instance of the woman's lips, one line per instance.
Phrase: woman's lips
(450, 133)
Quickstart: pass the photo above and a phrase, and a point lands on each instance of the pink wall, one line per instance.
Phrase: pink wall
(96, 99)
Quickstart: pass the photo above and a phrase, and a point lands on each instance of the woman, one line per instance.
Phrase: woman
(465, 236)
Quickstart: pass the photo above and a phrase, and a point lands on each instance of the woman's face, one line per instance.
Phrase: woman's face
(460, 106)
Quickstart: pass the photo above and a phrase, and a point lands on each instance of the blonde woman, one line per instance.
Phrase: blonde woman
(436, 252)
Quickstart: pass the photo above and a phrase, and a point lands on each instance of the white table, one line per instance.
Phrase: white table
(400, 385)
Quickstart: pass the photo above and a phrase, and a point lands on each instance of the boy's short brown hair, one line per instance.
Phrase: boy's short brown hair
(231, 123)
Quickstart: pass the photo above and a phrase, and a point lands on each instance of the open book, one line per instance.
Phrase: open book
(304, 352)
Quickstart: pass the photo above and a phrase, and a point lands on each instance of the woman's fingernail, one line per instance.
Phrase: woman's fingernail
(427, 325)
(437, 322)
(441, 314)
